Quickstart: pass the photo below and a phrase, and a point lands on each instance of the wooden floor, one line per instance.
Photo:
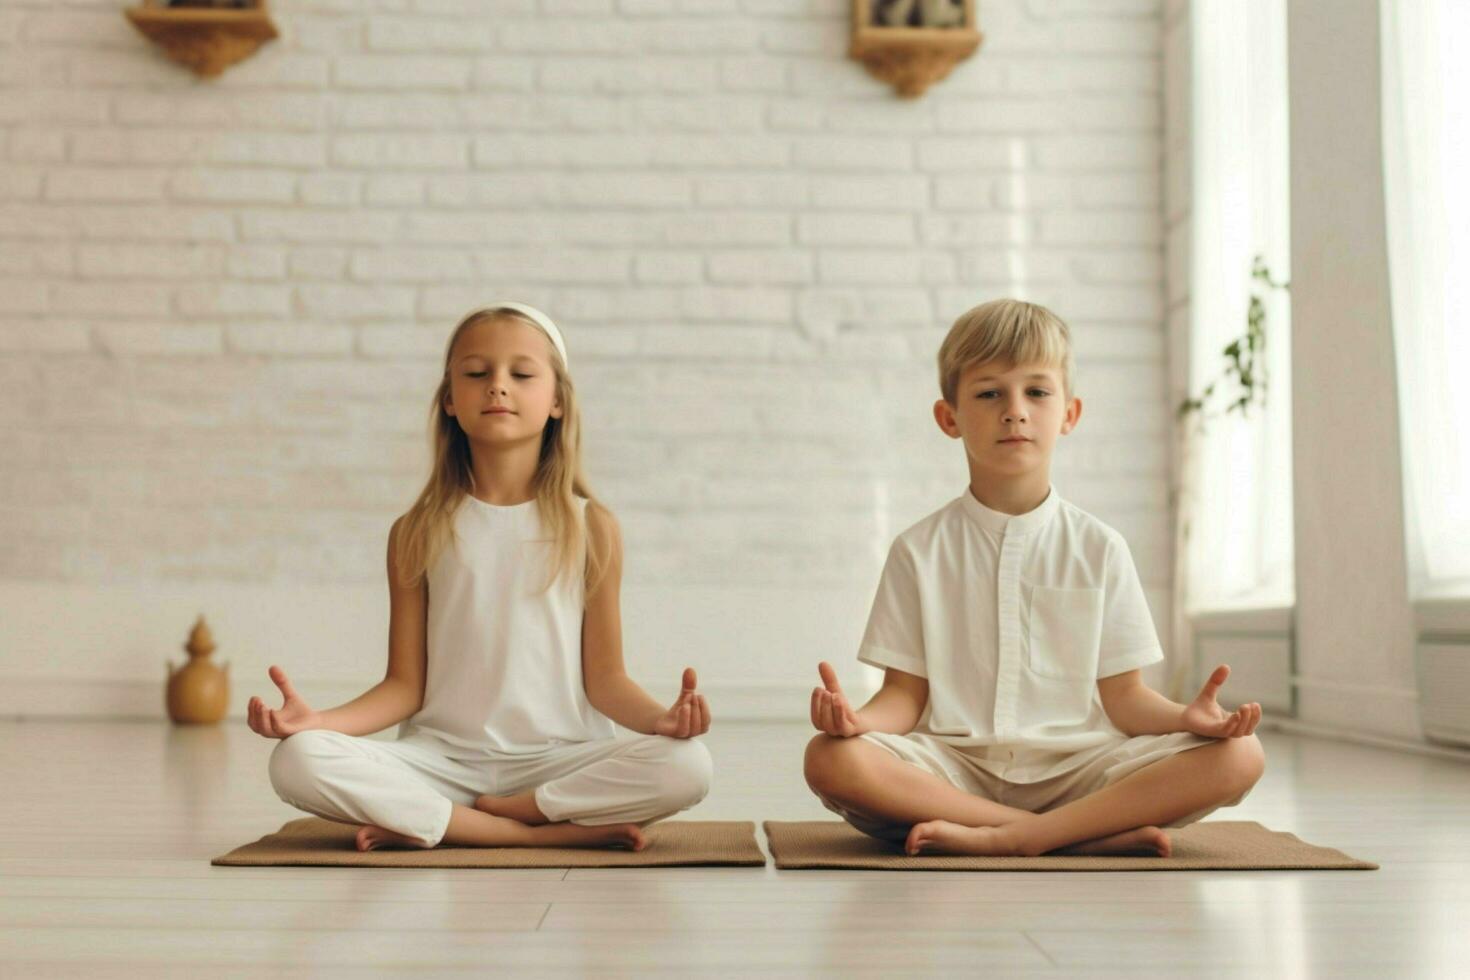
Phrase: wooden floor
(106, 831)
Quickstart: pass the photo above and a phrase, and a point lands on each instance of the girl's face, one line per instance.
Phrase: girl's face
(502, 387)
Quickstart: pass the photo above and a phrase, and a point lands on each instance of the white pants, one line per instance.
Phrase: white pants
(410, 786)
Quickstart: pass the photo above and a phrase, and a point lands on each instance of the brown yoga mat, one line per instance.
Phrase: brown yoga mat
(313, 841)
(1235, 845)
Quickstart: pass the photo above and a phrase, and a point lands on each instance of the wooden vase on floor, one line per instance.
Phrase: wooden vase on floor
(199, 691)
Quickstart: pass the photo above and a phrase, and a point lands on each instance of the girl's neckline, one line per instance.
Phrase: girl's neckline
(501, 508)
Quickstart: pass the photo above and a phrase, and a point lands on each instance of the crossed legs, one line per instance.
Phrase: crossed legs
(864, 779)
(1126, 817)
(403, 794)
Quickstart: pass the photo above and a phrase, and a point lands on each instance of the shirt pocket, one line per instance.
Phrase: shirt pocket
(1066, 632)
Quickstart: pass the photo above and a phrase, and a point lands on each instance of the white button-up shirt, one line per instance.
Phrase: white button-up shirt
(1013, 619)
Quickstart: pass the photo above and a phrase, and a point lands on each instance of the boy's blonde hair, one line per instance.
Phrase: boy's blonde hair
(1005, 330)
(426, 528)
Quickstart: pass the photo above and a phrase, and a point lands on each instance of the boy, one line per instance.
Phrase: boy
(1011, 627)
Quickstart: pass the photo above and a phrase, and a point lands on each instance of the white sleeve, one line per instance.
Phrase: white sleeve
(895, 633)
(1129, 639)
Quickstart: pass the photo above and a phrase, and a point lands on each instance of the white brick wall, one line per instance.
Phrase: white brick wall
(221, 302)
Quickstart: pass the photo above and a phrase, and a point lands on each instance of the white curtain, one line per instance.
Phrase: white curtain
(1426, 145)
(1237, 505)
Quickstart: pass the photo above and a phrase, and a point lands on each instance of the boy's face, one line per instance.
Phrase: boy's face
(502, 387)
(1009, 416)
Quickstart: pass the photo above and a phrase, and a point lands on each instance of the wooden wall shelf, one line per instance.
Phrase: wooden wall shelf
(911, 58)
(207, 40)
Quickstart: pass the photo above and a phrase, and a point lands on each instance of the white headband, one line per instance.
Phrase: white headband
(537, 317)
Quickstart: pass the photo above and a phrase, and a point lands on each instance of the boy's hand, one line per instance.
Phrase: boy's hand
(830, 711)
(1204, 716)
(292, 717)
(689, 715)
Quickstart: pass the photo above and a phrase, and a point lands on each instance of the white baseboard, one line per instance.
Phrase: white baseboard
(1292, 726)
(1385, 711)
(1444, 688)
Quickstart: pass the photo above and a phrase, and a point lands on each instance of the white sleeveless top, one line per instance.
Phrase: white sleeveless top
(504, 656)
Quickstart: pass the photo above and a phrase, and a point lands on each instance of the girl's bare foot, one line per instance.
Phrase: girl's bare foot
(473, 828)
(1146, 841)
(521, 808)
(371, 838)
(943, 837)
(625, 835)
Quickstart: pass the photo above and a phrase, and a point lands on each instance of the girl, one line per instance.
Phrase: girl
(505, 661)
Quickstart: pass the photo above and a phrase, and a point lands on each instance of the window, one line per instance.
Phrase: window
(1426, 146)
(1238, 504)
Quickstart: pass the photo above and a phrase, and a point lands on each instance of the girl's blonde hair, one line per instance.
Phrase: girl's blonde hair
(427, 528)
(1005, 330)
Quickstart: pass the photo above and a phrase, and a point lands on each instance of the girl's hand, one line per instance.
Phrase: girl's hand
(1204, 716)
(689, 715)
(831, 712)
(292, 717)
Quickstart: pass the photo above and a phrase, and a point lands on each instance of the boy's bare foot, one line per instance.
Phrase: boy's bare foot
(943, 837)
(371, 838)
(1145, 841)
